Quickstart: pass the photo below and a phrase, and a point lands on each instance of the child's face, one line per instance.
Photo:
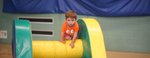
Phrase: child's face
(70, 21)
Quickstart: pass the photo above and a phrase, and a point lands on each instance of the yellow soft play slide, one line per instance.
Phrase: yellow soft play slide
(89, 45)
(96, 38)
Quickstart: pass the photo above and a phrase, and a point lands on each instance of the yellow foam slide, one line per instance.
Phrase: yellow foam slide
(96, 38)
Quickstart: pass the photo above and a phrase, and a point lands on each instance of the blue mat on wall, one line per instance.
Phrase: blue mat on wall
(82, 7)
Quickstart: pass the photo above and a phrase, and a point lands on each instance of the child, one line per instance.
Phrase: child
(70, 28)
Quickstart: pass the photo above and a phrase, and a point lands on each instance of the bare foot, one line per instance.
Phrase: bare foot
(72, 45)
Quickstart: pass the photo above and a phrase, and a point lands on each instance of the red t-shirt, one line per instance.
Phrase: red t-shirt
(70, 30)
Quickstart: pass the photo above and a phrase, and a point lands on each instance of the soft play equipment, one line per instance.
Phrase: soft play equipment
(89, 45)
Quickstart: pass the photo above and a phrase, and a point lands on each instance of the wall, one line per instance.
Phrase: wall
(129, 34)
(126, 33)
(6, 23)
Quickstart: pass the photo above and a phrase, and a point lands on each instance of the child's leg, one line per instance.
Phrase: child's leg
(67, 36)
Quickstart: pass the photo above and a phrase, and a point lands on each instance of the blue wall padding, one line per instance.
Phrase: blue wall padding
(22, 41)
(82, 7)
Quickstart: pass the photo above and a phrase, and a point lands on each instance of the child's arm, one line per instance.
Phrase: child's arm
(73, 40)
(62, 38)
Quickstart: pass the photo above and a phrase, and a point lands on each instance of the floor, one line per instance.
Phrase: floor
(5, 52)
(112, 54)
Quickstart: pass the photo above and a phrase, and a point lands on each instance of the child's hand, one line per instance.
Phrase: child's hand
(72, 45)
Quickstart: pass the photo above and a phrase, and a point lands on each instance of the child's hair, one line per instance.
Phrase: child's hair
(71, 14)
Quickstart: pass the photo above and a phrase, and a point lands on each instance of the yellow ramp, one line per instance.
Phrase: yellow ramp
(95, 37)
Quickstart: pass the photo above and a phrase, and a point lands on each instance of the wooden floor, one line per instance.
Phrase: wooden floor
(5, 52)
(113, 54)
